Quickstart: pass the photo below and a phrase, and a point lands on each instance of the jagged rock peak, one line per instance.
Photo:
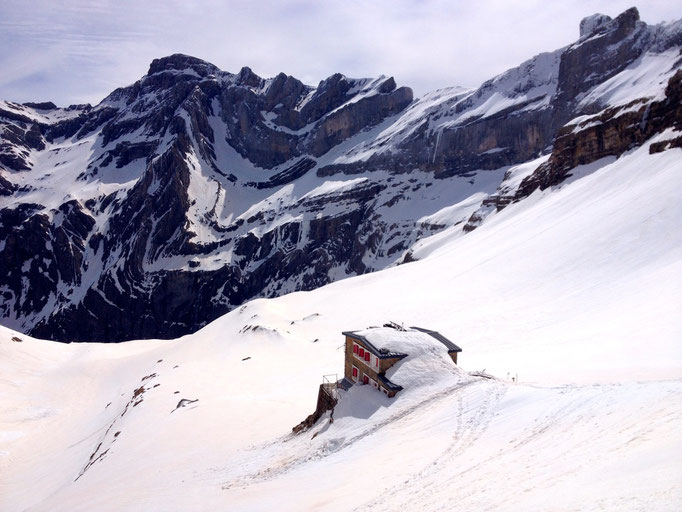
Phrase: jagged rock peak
(388, 85)
(626, 22)
(247, 77)
(44, 105)
(181, 62)
(591, 24)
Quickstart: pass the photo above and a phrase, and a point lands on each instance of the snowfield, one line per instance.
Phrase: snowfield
(576, 290)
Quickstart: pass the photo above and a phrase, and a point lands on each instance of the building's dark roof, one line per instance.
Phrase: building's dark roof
(380, 353)
(345, 383)
(448, 344)
(387, 383)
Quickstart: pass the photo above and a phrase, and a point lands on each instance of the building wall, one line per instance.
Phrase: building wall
(325, 402)
(385, 364)
(361, 364)
(367, 369)
(349, 358)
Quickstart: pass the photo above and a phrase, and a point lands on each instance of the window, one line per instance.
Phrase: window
(361, 353)
(367, 356)
(355, 371)
(355, 348)
(376, 362)
(365, 380)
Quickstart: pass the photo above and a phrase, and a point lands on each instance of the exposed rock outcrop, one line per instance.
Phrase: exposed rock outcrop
(609, 133)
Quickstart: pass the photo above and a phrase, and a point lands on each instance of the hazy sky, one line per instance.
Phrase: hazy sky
(79, 50)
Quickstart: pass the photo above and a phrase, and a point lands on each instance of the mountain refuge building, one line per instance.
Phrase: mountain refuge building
(371, 352)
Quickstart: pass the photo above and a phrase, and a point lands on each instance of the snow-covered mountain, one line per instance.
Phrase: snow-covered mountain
(576, 290)
(180, 197)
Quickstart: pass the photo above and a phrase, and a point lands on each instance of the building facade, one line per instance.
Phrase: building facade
(367, 364)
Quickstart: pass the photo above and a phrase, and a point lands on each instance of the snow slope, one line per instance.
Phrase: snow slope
(576, 290)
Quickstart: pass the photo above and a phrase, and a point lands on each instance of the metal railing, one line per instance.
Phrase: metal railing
(330, 384)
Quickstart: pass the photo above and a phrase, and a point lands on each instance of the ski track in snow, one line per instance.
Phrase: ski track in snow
(422, 489)
(338, 445)
(465, 435)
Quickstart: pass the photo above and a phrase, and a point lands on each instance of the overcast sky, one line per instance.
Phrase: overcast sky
(79, 50)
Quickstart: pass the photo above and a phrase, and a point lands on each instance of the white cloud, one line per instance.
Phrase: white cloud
(80, 50)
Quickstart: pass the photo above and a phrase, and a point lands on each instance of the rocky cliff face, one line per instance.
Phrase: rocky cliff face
(609, 133)
(618, 86)
(193, 190)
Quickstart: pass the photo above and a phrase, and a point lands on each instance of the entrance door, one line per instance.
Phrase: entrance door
(365, 379)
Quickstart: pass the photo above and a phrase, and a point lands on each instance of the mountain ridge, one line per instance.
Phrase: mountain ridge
(193, 190)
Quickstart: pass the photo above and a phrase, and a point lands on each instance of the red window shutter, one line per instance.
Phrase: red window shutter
(366, 356)
(355, 349)
(361, 352)
(365, 379)
(355, 372)
(376, 362)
